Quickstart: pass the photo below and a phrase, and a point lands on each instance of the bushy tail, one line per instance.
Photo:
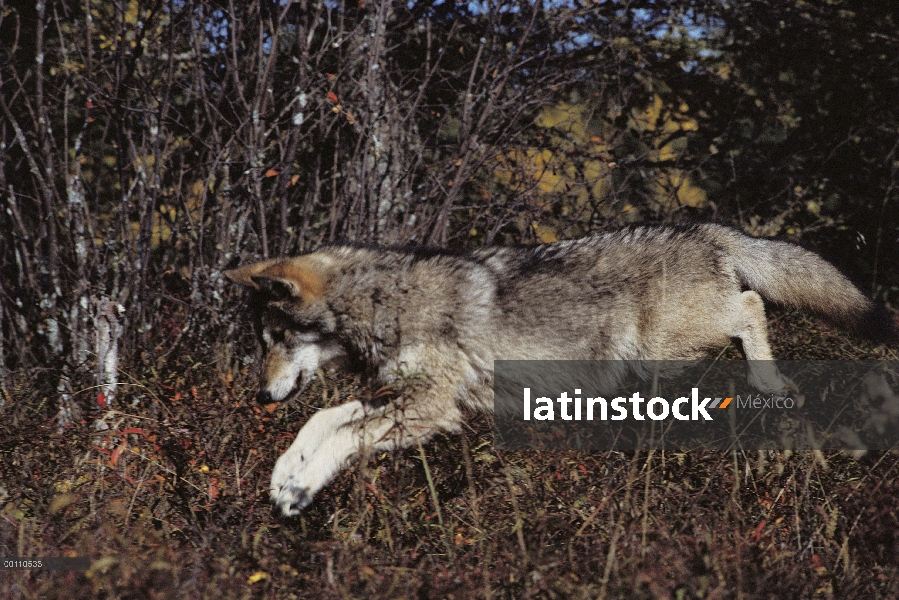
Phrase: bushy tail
(790, 275)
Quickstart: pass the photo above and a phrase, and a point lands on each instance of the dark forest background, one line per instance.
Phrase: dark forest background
(145, 147)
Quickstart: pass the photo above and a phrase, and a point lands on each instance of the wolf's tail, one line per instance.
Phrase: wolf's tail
(787, 274)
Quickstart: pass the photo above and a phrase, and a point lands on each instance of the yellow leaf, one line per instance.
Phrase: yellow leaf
(257, 576)
(160, 233)
(565, 117)
(145, 161)
(131, 12)
(646, 119)
(723, 71)
(545, 234)
(667, 152)
(61, 501)
(670, 125)
(595, 170)
(689, 125)
(691, 195)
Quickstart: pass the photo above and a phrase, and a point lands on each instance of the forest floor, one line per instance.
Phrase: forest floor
(172, 502)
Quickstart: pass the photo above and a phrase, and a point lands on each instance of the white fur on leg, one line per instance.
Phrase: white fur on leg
(752, 329)
(767, 378)
(313, 459)
(335, 436)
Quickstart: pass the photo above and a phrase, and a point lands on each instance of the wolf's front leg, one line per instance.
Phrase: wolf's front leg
(335, 436)
(297, 475)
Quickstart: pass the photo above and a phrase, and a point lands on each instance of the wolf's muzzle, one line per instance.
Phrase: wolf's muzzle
(264, 397)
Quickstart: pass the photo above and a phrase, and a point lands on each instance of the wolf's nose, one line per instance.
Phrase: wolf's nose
(264, 397)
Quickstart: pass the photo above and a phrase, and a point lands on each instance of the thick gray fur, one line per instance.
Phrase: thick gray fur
(640, 293)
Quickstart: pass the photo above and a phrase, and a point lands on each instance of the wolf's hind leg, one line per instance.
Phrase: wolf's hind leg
(336, 436)
(752, 329)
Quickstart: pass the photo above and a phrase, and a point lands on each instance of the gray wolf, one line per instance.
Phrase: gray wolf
(640, 293)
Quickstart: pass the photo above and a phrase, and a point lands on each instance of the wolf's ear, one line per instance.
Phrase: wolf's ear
(301, 278)
(245, 274)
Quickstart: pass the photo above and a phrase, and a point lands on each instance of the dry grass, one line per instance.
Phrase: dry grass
(171, 502)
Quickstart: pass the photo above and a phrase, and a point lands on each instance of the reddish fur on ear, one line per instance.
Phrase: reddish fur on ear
(305, 281)
(302, 278)
(244, 275)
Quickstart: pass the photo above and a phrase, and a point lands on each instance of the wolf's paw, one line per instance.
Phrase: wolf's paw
(291, 498)
(788, 386)
(790, 389)
(767, 378)
(289, 491)
(321, 448)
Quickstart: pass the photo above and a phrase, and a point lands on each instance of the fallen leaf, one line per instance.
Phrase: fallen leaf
(257, 576)
(133, 430)
(117, 453)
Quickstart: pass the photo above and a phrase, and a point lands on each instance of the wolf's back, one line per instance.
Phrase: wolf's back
(787, 274)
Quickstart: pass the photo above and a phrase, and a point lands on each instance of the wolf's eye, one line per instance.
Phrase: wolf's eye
(277, 336)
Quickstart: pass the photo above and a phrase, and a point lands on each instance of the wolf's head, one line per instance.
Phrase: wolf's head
(296, 327)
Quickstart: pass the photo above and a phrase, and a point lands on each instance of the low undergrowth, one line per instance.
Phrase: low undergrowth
(170, 501)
